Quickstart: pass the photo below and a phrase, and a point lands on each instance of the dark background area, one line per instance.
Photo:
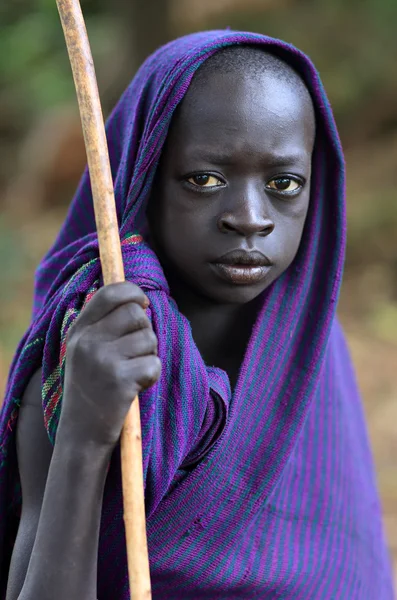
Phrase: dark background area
(353, 44)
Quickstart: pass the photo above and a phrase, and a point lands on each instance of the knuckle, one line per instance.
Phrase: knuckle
(126, 290)
(119, 373)
(151, 338)
(113, 375)
(152, 371)
(125, 382)
(137, 315)
(109, 294)
(146, 371)
(106, 361)
(116, 293)
(132, 287)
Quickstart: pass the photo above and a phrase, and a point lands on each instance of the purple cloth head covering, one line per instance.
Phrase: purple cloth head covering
(281, 502)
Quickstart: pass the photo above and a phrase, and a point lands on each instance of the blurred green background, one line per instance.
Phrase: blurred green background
(353, 44)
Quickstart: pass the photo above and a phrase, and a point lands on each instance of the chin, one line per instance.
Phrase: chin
(233, 294)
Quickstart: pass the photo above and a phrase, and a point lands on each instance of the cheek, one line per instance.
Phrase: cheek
(183, 222)
(289, 227)
(179, 234)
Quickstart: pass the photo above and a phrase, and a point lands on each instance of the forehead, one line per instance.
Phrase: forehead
(244, 111)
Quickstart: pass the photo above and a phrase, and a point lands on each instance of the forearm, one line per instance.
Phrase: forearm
(63, 563)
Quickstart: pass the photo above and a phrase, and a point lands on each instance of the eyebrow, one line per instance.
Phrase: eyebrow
(226, 158)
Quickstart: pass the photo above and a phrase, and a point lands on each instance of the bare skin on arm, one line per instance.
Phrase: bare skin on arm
(34, 457)
(111, 357)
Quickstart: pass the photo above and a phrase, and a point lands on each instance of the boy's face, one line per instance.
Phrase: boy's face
(233, 186)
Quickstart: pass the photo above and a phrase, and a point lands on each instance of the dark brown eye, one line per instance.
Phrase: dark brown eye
(284, 184)
(204, 180)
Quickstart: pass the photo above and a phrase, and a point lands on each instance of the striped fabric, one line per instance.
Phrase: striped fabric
(283, 504)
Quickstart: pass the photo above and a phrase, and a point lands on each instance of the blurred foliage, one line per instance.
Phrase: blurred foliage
(34, 68)
(353, 44)
(35, 73)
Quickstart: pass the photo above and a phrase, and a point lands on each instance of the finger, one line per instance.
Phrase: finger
(145, 371)
(109, 298)
(124, 319)
(139, 343)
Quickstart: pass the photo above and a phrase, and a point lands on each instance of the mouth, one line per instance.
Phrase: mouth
(241, 267)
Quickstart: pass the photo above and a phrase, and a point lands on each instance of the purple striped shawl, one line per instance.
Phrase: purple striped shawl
(283, 504)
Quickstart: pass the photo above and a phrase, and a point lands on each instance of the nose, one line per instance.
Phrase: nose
(246, 218)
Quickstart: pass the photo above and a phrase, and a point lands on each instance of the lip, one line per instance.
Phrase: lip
(241, 267)
(245, 258)
(241, 274)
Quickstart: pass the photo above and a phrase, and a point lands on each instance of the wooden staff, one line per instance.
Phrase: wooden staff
(113, 272)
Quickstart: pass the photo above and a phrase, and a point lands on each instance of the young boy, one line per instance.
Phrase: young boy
(259, 482)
